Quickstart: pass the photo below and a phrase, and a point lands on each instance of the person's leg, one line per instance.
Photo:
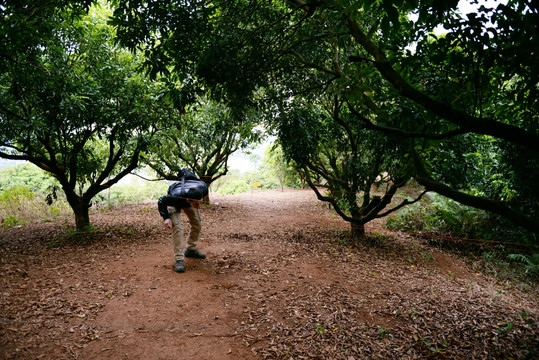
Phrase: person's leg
(177, 234)
(195, 221)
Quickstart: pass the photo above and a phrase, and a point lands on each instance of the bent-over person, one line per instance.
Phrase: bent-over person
(185, 195)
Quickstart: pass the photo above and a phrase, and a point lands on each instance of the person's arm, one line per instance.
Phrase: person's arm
(162, 204)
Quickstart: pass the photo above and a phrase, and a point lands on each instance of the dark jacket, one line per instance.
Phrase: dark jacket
(189, 186)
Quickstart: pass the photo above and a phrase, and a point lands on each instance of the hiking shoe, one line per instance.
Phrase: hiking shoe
(178, 267)
(194, 254)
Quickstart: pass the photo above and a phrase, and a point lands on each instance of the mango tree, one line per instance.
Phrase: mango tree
(74, 104)
(201, 138)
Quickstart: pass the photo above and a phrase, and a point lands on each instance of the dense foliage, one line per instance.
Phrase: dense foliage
(275, 163)
(456, 104)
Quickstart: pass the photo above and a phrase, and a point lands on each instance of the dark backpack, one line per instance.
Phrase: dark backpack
(189, 186)
(187, 175)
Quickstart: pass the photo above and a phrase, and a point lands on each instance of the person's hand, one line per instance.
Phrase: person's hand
(168, 223)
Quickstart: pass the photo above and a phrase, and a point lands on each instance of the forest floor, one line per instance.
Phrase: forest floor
(280, 281)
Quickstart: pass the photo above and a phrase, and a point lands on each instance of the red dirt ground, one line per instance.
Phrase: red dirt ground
(280, 281)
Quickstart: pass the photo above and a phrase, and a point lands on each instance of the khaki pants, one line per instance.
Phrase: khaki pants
(177, 230)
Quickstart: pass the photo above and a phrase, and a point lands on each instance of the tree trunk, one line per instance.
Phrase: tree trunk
(81, 212)
(358, 232)
(206, 199)
(82, 218)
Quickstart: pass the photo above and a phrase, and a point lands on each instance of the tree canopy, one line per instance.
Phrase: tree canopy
(451, 101)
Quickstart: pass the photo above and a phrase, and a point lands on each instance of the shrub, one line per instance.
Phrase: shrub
(234, 187)
(437, 215)
(132, 193)
(10, 220)
(530, 262)
(28, 175)
(16, 195)
(20, 205)
(505, 258)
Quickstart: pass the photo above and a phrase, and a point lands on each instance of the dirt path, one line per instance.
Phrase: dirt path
(279, 282)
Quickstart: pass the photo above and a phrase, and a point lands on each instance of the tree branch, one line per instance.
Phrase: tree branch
(401, 133)
(404, 203)
(466, 122)
(497, 207)
(328, 199)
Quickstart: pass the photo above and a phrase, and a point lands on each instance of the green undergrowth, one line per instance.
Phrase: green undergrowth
(494, 245)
